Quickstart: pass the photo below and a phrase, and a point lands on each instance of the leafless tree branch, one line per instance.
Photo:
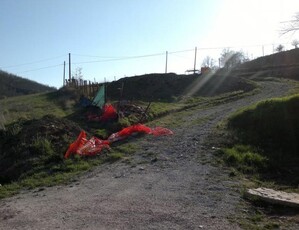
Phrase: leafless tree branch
(291, 26)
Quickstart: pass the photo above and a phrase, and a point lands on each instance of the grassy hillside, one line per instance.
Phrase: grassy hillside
(35, 106)
(271, 128)
(12, 85)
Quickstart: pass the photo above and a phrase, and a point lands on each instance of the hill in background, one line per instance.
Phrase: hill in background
(283, 64)
(12, 85)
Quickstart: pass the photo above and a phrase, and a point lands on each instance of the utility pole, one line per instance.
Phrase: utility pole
(195, 61)
(166, 61)
(63, 73)
(263, 51)
(70, 67)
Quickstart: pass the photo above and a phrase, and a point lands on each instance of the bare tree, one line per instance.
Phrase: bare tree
(208, 62)
(77, 74)
(279, 48)
(295, 43)
(292, 25)
(230, 59)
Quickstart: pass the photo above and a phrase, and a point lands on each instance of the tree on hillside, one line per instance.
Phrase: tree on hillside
(279, 48)
(295, 43)
(209, 62)
(230, 59)
(77, 74)
(292, 25)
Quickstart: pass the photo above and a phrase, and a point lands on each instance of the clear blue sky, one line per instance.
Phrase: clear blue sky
(37, 35)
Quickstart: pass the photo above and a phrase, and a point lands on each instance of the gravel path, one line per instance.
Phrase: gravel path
(170, 183)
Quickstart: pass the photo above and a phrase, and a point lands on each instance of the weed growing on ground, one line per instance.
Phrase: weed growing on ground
(9, 189)
(102, 133)
(126, 148)
(244, 158)
(114, 156)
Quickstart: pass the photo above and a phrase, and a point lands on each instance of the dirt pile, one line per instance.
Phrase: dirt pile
(283, 65)
(30, 144)
(169, 87)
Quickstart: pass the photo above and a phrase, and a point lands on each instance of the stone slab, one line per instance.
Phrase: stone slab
(274, 197)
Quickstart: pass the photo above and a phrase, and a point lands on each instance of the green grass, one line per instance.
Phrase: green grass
(259, 221)
(57, 173)
(272, 126)
(244, 158)
(172, 114)
(126, 148)
(264, 153)
(38, 161)
(158, 109)
(30, 106)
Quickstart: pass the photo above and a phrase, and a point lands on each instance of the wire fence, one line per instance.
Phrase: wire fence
(180, 61)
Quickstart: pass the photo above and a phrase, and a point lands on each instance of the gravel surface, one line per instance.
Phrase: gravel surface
(170, 183)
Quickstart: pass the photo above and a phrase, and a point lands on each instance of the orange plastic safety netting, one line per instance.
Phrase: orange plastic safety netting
(94, 146)
(80, 141)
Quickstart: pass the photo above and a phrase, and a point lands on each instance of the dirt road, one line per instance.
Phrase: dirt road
(170, 183)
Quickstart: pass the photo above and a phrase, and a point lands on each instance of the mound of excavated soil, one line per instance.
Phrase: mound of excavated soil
(282, 65)
(26, 144)
(170, 86)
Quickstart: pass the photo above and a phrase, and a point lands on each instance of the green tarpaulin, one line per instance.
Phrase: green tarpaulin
(99, 99)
